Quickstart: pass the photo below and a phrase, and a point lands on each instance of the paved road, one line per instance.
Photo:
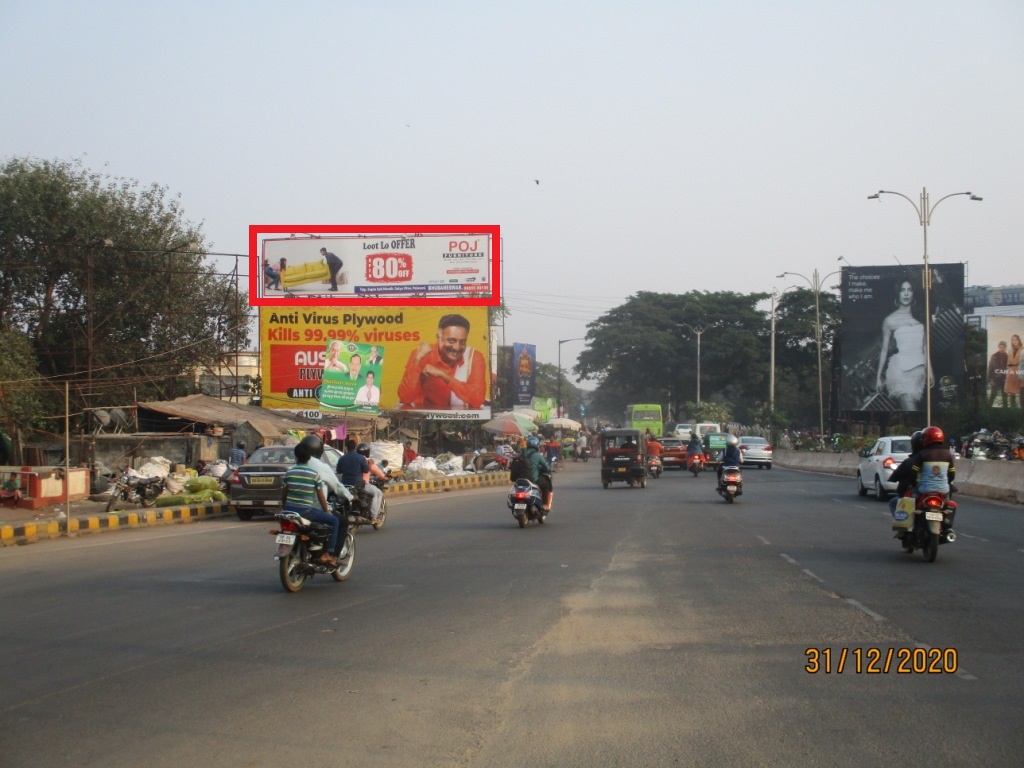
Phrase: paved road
(639, 627)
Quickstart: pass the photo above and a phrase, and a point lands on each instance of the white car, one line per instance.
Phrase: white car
(756, 451)
(877, 464)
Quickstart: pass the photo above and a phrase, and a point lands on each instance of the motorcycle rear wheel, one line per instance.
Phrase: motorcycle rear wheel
(931, 547)
(147, 500)
(523, 520)
(292, 578)
(729, 497)
(345, 565)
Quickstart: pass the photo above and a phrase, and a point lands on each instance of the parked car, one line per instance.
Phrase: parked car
(256, 486)
(877, 464)
(757, 451)
(673, 453)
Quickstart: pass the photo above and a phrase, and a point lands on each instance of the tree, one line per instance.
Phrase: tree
(19, 385)
(109, 282)
(645, 351)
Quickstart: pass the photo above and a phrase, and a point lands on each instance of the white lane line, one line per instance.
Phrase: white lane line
(763, 540)
(865, 609)
(788, 559)
(813, 575)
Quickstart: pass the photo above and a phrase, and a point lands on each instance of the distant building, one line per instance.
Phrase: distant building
(230, 381)
(979, 296)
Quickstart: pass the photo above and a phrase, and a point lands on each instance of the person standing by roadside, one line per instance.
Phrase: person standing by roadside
(408, 455)
(237, 456)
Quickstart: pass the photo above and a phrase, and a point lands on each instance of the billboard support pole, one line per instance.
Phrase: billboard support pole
(924, 217)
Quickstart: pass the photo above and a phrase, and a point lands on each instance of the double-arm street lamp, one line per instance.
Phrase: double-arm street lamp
(558, 411)
(924, 216)
(816, 281)
(698, 331)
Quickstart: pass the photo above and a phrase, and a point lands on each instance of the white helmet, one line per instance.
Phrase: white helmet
(732, 440)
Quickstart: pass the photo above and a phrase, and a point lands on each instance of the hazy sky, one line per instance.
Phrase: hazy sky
(679, 145)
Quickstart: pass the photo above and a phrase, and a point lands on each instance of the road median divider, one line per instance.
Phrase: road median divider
(102, 522)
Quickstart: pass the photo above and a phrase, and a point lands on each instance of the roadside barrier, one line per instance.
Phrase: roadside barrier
(31, 532)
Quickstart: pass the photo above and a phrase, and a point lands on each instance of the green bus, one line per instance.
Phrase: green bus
(644, 416)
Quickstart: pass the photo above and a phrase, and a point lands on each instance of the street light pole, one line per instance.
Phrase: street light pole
(699, 331)
(924, 217)
(816, 284)
(558, 405)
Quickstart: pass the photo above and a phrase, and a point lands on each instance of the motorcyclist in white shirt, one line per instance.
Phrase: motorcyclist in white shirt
(329, 478)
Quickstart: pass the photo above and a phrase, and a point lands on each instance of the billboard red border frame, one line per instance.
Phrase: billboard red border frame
(256, 272)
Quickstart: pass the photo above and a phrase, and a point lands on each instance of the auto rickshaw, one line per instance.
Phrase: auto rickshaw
(623, 457)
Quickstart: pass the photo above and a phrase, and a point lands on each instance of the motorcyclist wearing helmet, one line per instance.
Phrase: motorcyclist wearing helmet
(352, 465)
(303, 493)
(330, 480)
(731, 456)
(933, 464)
(375, 471)
(327, 473)
(695, 446)
(540, 470)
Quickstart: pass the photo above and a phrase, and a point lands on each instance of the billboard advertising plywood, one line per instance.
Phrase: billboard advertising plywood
(429, 360)
(883, 338)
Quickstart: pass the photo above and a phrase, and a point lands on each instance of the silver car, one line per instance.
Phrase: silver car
(877, 464)
(757, 451)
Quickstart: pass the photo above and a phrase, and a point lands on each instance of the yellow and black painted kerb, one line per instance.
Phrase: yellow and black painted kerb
(54, 529)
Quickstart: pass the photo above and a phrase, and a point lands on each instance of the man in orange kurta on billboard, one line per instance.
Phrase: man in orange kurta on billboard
(448, 375)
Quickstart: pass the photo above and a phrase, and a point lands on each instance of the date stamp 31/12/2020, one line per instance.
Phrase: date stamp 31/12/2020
(870, 660)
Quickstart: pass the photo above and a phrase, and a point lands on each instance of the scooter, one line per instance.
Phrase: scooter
(730, 483)
(654, 466)
(932, 524)
(527, 503)
(695, 463)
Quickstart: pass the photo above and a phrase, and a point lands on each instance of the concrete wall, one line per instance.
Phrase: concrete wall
(999, 480)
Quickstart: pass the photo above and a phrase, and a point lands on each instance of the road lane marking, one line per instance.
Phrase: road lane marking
(860, 607)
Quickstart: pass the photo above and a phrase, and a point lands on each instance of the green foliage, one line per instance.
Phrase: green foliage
(705, 410)
(108, 281)
(646, 351)
(19, 386)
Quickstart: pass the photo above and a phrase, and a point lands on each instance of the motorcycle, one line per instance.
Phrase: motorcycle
(301, 542)
(695, 463)
(358, 510)
(730, 483)
(527, 503)
(932, 524)
(581, 455)
(654, 466)
(135, 490)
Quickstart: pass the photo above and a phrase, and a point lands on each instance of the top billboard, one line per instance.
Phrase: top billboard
(379, 265)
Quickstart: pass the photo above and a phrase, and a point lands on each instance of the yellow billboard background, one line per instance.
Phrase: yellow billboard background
(293, 350)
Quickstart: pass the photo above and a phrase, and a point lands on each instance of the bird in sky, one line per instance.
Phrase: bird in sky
(536, 181)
